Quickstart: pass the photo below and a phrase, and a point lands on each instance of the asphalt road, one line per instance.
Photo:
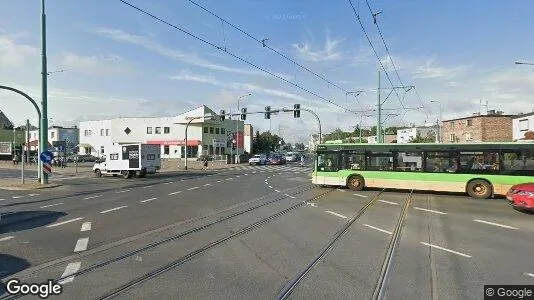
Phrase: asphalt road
(115, 231)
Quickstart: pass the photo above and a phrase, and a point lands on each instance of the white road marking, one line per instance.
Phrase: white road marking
(218, 180)
(143, 201)
(270, 187)
(336, 189)
(81, 244)
(246, 174)
(496, 224)
(2, 199)
(193, 188)
(16, 197)
(529, 274)
(69, 270)
(359, 195)
(174, 193)
(379, 229)
(237, 176)
(113, 209)
(31, 195)
(290, 196)
(445, 249)
(254, 172)
(6, 238)
(229, 178)
(277, 191)
(167, 182)
(148, 186)
(64, 222)
(430, 210)
(92, 197)
(123, 191)
(207, 184)
(336, 214)
(51, 205)
(311, 204)
(388, 202)
(86, 226)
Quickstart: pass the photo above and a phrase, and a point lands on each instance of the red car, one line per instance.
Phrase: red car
(521, 196)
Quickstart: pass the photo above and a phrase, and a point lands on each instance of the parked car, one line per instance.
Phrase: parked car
(277, 160)
(258, 159)
(521, 196)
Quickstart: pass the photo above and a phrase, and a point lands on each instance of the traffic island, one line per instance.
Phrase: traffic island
(16, 185)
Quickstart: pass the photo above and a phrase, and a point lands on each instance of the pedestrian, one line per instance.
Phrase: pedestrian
(302, 160)
(205, 162)
(15, 159)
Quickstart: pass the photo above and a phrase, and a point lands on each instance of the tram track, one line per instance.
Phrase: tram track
(380, 287)
(287, 194)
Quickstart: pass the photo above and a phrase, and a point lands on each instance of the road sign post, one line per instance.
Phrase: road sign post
(46, 157)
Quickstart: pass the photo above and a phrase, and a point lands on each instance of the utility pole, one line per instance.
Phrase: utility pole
(379, 114)
(43, 140)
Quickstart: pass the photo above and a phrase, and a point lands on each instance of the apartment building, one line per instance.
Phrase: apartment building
(491, 127)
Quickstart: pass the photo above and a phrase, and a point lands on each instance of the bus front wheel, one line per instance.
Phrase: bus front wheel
(356, 182)
(479, 189)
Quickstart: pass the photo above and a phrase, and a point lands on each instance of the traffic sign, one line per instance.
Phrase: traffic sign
(46, 156)
(47, 168)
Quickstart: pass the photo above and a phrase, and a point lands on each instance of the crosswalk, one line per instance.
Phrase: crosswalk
(277, 168)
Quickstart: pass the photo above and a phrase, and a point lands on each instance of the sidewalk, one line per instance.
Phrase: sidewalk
(70, 169)
(16, 185)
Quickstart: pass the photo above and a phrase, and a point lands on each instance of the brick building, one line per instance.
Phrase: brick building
(492, 127)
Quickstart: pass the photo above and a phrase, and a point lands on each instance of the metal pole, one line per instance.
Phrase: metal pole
(43, 141)
(379, 110)
(28, 140)
(25, 146)
(237, 136)
(361, 119)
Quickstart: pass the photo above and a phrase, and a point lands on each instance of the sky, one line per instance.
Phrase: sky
(106, 59)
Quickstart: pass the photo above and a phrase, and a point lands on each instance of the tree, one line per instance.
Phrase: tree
(265, 142)
(300, 146)
(419, 139)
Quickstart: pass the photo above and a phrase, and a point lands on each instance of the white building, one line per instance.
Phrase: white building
(313, 142)
(521, 124)
(388, 138)
(407, 134)
(59, 138)
(204, 136)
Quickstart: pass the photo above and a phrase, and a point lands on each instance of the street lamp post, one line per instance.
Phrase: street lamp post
(438, 135)
(43, 140)
(237, 129)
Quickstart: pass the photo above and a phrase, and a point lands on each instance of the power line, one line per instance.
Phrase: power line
(234, 55)
(374, 50)
(264, 45)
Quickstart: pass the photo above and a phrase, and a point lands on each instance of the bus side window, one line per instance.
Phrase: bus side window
(328, 162)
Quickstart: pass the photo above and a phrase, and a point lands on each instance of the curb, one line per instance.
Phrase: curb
(22, 188)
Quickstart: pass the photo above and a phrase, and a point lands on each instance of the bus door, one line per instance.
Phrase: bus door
(328, 165)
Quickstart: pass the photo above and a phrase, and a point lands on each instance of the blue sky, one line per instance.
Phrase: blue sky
(118, 62)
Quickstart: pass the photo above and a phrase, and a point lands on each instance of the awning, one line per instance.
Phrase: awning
(35, 143)
(84, 146)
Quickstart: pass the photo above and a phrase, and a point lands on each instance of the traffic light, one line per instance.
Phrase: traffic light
(267, 112)
(243, 114)
(296, 111)
(222, 116)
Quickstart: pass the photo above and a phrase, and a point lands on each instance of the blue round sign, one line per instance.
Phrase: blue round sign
(46, 156)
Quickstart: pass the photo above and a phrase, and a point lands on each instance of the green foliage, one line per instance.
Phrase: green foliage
(420, 139)
(299, 146)
(6, 135)
(265, 142)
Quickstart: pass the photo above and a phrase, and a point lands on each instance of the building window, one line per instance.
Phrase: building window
(101, 132)
(114, 156)
(151, 156)
(468, 136)
(212, 130)
(158, 130)
(101, 149)
(523, 125)
(222, 130)
(87, 133)
(166, 149)
(107, 132)
(52, 134)
(205, 129)
(469, 122)
(149, 130)
(217, 130)
(452, 125)
(452, 138)
(166, 130)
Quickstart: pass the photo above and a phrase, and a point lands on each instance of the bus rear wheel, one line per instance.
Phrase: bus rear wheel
(356, 182)
(480, 189)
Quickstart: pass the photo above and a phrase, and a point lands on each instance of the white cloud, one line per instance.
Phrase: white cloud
(13, 54)
(98, 65)
(329, 52)
(189, 58)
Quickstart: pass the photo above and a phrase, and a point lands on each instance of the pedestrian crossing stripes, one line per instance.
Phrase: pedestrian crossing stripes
(278, 168)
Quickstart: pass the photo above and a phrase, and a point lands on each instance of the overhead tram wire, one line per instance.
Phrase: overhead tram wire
(389, 54)
(262, 42)
(239, 58)
(376, 53)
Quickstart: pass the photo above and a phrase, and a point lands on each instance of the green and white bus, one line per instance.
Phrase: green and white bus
(480, 169)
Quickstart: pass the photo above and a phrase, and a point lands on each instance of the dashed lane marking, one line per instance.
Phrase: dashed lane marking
(445, 249)
(193, 188)
(148, 186)
(123, 191)
(290, 196)
(237, 176)
(277, 191)
(69, 270)
(338, 189)
(207, 184)
(113, 209)
(32, 195)
(63, 223)
(92, 197)
(174, 193)
(430, 210)
(17, 197)
(151, 199)
(229, 178)
(270, 187)
(335, 214)
(2, 199)
(6, 238)
(388, 202)
(167, 182)
(219, 181)
(376, 228)
(496, 224)
(360, 195)
(51, 205)
(81, 245)
(86, 226)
